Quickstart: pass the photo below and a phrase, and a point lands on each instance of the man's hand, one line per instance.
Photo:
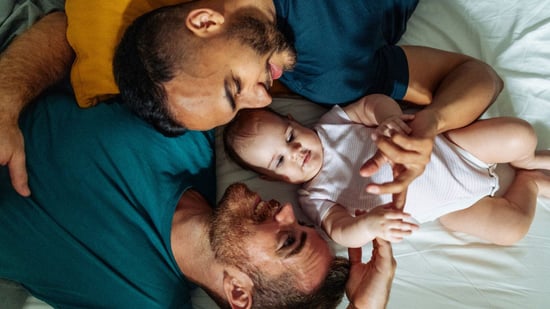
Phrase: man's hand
(370, 283)
(407, 154)
(35, 60)
(395, 124)
(12, 154)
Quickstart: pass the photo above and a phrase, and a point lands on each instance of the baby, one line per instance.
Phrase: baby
(457, 187)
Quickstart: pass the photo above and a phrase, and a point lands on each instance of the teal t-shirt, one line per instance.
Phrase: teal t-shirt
(346, 49)
(96, 231)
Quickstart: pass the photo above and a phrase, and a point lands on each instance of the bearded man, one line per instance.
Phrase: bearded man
(114, 224)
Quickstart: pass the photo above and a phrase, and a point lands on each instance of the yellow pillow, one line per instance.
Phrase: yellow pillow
(94, 30)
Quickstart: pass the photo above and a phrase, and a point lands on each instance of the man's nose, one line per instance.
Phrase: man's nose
(286, 214)
(255, 98)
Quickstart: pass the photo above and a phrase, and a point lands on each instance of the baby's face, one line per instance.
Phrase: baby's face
(284, 150)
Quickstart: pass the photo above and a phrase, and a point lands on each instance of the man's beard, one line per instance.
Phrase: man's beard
(253, 29)
(237, 211)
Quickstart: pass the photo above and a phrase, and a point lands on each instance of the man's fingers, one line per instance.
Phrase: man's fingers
(388, 187)
(399, 199)
(373, 164)
(355, 255)
(383, 247)
(398, 185)
(404, 149)
(394, 151)
(18, 174)
(412, 143)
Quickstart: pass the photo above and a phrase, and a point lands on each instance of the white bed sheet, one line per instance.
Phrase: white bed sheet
(436, 268)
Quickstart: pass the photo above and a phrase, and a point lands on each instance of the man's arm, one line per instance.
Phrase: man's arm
(456, 90)
(35, 60)
(369, 284)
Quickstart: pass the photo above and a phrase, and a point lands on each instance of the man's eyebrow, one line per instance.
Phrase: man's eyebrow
(229, 95)
(300, 246)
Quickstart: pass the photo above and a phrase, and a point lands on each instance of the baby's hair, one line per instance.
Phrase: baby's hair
(241, 128)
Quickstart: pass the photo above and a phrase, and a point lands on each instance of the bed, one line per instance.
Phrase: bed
(437, 268)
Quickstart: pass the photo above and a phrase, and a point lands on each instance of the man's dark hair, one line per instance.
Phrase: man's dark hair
(147, 56)
(282, 292)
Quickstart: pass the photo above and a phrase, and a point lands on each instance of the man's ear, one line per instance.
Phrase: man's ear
(237, 287)
(204, 22)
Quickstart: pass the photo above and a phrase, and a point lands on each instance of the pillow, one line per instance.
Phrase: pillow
(94, 30)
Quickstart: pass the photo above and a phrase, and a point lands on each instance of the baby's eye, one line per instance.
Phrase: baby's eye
(280, 161)
(290, 137)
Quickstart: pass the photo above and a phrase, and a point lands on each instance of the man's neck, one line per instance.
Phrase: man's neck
(190, 243)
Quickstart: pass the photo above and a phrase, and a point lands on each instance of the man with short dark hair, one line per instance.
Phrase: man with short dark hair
(343, 50)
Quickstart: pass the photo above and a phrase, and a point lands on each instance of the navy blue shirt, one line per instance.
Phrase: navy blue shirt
(345, 49)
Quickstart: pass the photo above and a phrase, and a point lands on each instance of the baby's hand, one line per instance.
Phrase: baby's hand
(388, 223)
(395, 124)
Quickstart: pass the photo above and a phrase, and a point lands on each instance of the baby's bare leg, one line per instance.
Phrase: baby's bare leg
(502, 220)
(502, 140)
